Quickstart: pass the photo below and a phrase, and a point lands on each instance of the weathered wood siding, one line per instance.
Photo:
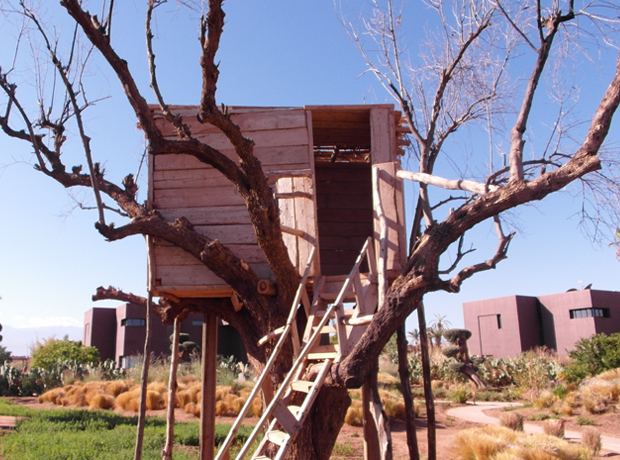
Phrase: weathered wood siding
(180, 185)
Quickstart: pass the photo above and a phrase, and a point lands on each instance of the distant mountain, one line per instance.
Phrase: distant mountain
(19, 340)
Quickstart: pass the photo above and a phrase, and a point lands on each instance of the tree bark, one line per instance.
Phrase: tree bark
(316, 439)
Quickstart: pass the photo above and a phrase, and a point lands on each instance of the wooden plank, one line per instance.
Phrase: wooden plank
(382, 137)
(198, 276)
(276, 155)
(190, 198)
(301, 385)
(287, 219)
(271, 138)
(389, 199)
(221, 215)
(171, 255)
(285, 417)
(209, 374)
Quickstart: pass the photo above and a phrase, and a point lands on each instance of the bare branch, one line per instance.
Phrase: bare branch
(465, 185)
(454, 284)
(176, 120)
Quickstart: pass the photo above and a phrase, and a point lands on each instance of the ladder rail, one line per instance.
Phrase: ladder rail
(287, 381)
(290, 322)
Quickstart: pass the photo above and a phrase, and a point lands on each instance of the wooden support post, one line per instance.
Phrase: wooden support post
(209, 381)
(372, 450)
(172, 389)
(137, 454)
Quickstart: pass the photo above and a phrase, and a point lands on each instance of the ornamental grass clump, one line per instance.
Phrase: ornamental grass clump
(555, 427)
(512, 420)
(591, 439)
(501, 443)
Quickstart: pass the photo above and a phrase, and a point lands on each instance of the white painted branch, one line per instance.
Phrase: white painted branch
(448, 184)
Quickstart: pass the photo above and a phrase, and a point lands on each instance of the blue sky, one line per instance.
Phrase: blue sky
(276, 53)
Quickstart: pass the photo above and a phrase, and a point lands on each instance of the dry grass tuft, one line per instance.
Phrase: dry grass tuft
(102, 401)
(591, 439)
(116, 387)
(192, 408)
(544, 400)
(154, 400)
(554, 427)
(354, 415)
(130, 400)
(512, 420)
(500, 443)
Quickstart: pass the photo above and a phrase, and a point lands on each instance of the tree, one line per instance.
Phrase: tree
(5, 355)
(50, 351)
(460, 353)
(465, 81)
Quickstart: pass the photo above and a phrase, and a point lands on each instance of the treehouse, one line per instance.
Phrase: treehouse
(333, 173)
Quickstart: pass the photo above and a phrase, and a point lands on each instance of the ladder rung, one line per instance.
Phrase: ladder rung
(359, 321)
(277, 437)
(261, 457)
(328, 330)
(331, 296)
(294, 409)
(322, 356)
(347, 313)
(302, 385)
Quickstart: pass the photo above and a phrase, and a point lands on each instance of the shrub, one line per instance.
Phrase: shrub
(584, 421)
(593, 355)
(459, 394)
(50, 351)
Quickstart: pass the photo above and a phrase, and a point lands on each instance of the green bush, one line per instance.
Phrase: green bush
(592, 356)
(50, 351)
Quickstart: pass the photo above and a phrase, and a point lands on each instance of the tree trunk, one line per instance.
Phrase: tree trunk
(317, 438)
(405, 387)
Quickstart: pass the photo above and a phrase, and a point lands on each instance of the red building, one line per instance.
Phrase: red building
(507, 326)
(119, 333)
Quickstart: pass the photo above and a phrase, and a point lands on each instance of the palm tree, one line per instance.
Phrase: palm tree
(414, 337)
(437, 327)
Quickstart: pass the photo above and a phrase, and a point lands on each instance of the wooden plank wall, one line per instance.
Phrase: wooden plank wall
(389, 187)
(345, 213)
(180, 185)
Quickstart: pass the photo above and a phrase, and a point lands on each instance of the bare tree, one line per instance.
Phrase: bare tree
(465, 72)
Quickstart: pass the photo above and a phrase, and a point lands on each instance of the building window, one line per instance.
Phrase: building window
(499, 321)
(590, 313)
(133, 322)
(197, 323)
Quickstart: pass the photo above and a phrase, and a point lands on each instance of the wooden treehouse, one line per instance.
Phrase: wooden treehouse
(333, 170)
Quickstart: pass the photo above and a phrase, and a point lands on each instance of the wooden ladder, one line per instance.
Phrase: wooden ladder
(330, 295)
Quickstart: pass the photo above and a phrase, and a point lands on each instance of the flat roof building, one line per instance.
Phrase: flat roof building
(507, 326)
